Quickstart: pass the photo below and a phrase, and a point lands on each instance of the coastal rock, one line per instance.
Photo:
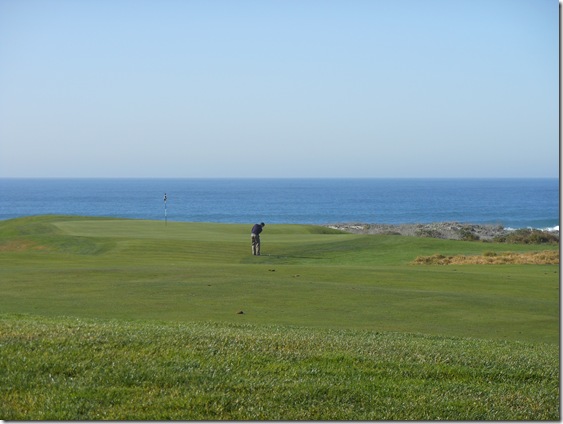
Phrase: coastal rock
(442, 230)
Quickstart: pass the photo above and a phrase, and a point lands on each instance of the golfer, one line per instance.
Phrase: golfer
(255, 238)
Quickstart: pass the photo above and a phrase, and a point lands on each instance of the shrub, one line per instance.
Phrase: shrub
(425, 232)
(528, 236)
(468, 235)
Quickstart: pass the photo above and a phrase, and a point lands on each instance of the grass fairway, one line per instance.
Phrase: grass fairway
(132, 319)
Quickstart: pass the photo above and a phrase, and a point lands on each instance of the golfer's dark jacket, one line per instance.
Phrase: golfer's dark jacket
(257, 229)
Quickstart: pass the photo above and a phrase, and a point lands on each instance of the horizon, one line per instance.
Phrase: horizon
(279, 178)
(279, 89)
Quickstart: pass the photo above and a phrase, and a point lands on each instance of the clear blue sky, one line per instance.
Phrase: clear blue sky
(279, 88)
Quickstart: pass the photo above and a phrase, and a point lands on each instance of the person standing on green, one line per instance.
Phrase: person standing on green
(255, 238)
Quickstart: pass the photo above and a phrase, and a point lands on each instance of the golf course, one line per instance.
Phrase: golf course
(122, 319)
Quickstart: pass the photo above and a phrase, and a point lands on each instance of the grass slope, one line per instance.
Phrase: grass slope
(127, 319)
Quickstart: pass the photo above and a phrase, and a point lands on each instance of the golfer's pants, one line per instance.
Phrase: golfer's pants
(255, 238)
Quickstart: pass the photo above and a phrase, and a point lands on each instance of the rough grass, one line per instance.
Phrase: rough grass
(548, 257)
(76, 369)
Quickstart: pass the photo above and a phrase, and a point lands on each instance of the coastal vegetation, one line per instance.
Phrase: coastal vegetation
(548, 257)
(127, 319)
(528, 236)
(458, 231)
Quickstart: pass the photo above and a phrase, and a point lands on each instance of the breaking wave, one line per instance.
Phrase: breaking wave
(554, 229)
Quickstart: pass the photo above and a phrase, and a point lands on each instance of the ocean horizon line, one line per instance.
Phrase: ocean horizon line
(282, 178)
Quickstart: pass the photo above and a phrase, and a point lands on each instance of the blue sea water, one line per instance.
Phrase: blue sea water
(513, 203)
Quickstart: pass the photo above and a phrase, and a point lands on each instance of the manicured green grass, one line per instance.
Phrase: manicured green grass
(78, 369)
(308, 276)
(129, 319)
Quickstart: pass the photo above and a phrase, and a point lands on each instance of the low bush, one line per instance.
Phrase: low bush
(468, 235)
(528, 236)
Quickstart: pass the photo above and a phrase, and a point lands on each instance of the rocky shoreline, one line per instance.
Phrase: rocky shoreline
(442, 230)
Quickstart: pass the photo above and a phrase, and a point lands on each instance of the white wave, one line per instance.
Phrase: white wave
(552, 229)
(549, 229)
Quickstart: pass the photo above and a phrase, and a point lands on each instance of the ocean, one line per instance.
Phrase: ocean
(512, 203)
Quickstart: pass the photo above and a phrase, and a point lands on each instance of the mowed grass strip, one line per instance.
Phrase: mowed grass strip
(84, 369)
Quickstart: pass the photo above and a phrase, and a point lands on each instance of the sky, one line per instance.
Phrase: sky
(279, 88)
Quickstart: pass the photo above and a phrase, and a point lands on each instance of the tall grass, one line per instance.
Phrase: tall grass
(549, 257)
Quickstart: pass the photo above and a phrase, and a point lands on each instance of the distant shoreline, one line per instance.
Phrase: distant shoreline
(443, 230)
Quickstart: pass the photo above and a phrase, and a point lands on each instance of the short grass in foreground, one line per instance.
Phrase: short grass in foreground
(82, 369)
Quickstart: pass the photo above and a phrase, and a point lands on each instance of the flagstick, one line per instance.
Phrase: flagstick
(165, 214)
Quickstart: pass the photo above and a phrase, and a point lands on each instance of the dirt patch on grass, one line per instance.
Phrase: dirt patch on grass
(547, 257)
